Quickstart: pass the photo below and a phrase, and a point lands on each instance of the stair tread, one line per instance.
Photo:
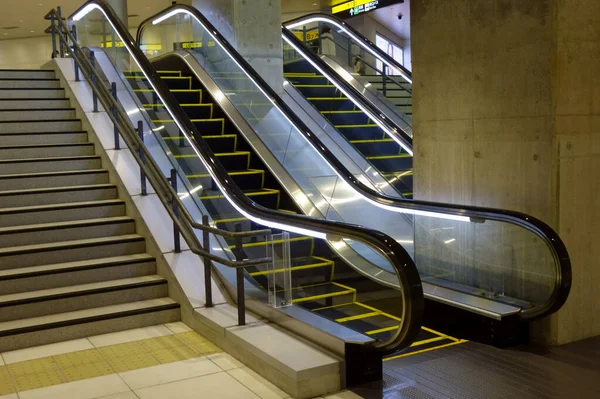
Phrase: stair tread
(70, 317)
(66, 205)
(44, 133)
(9, 299)
(13, 146)
(51, 189)
(59, 244)
(81, 264)
(50, 174)
(51, 159)
(69, 223)
(36, 109)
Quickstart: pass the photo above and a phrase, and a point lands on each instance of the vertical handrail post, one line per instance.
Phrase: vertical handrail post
(239, 277)
(113, 90)
(207, 265)
(52, 24)
(74, 33)
(384, 74)
(93, 77)
(176, 239)
(62, 47)
(140, 130)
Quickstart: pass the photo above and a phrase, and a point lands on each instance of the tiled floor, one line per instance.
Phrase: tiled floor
(165, 361)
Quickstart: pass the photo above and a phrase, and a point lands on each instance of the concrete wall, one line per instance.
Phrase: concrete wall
(507, 114)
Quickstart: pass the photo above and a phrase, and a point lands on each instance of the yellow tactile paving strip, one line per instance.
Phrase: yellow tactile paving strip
(90, 363)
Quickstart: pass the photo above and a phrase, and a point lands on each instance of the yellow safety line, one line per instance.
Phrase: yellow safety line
(343, 112)
(346, 287)
(294, 268)
(373, 332)
(427, 341)
(286, 211)
(389, 156)
(357, 317)
(267, 191)
(315, 297)
(245, 172)
(424, 350)
(354, 126)
(332, 306)
(372, 141)
(375, 309)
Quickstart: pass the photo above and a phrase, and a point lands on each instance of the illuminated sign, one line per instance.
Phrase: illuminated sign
(357, 7)
(310, 35)
(189, 45)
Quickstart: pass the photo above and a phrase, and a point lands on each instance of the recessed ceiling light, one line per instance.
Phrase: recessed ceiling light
(5, 34)
(31, 31)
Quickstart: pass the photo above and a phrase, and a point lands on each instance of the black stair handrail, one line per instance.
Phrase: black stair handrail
(476, 214)
(332, 18)
(404, 267)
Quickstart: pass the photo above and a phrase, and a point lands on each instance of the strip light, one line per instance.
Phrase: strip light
(271, 224)
(358, 40)
(274, 225)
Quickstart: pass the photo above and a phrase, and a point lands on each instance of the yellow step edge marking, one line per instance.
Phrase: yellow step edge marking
(346, 287)
(258, 244)
(399, 174)
(372, 141)
(342, 112)
(439, 334)
(223, 154)
(426, 341)
(424, 350)
(315, 297)
(332, 306)
(373, 332)
(245, 172)
(192, 120)
(354, 126)
(389, 156)
(286, 211)
(377, 310)
(357, 317)
(294, 268)
(267, 191)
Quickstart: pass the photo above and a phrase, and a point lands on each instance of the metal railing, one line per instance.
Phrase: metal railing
(164, 188)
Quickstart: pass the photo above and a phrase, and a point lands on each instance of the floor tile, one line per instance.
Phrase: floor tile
(38, 352)
(1, 362)
(175, 354)
(257, 384)
(124, 395)
(129, 336)
(199, 343)
(34, 374)
(225, 361)
(11, 396)
(165, 373)
(86, 389)
(178, 327)
(6, 385)
(213, 386)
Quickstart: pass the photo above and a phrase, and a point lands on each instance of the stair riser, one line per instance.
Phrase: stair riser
(60, 255)
(35, 104)
(40, 127)
(43, 138)
(54, 181)
(36, 115)
(46, 152)
(49, 336)
(58, 280)
(62, 215)
(49, 166)
(73, 233)
(37, 94)
(29, 84)
(82, 302)
(23, 74)
(32, 199)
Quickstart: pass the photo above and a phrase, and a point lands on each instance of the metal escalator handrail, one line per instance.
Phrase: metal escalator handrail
(471, 213)
(361, 40)
(404, 267)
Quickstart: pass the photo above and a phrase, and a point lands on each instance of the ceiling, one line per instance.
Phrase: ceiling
(27, 18)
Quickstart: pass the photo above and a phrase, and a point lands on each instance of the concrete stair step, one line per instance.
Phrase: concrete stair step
(36, 114)
(15, 94)
(27, 215)
(47, 138)
(70, 251)
(83, 296)
(46, 150)
(35, 234)
(18, 334)
(55, 164)
(43, 277)
(25, 181)
(34, 103)
(55, 125)
(57, 195)
(27, 74)
(19, 83)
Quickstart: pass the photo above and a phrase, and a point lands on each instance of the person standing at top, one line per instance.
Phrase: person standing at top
(327, 43)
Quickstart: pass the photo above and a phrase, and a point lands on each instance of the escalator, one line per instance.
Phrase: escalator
(370, 140)
(321, 282)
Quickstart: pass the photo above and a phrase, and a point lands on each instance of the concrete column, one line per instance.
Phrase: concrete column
(253, 27)
(507, 114)
(120, 7)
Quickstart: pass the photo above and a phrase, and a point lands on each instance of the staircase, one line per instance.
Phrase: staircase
(71, 263)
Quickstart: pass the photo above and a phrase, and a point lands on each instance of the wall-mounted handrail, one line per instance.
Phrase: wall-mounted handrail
(408, 277)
